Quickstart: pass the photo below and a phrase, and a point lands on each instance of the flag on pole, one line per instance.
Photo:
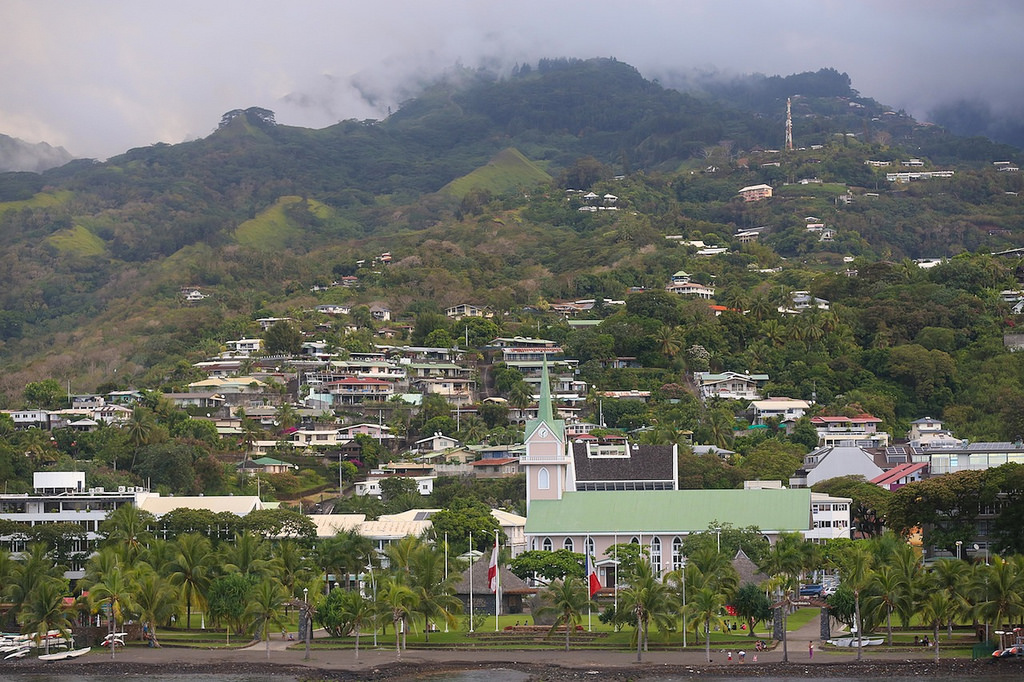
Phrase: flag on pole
(492, 569)
(592, 580)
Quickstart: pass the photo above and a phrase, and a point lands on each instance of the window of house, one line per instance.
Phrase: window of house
(677, 553)
(546, 544)
(590, 547)
(656, 554)
(543, 479)
(568, 544)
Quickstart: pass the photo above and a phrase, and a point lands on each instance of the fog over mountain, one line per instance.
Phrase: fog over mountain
(18, 155)
(100, 77)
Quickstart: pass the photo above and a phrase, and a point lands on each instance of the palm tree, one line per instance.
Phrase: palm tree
(139, 431)
(43, 610)
(355, 609)
(857, 569)
(116, 590)
(159, 554)
(648, 599)
(290, 566)
(36, 567)
(399, 601)
(266, 607)
(189, 571)
(474, 429)
(287, 416)
(785, 562)
(567, 599)
(773, 332)
(435, 593)
(887, 590)
(908, 568)
(721, 423)
(246, 555)
(706, 604)
(1000, 590)
(156, 599)
(952, 575)
(936, 609)
(520, 396)
(127, 529)
(347, 552)
(670, 340)
(400, 554)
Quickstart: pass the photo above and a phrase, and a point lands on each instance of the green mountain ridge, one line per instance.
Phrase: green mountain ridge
(465, 186)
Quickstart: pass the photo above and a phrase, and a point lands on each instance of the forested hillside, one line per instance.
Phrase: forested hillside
(466, 188)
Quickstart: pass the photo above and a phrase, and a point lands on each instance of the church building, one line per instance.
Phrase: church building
(588, 495)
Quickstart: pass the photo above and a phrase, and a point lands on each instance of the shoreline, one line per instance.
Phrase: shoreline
(574, 666)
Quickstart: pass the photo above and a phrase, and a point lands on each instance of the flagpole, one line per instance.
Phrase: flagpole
(471, 581)
(615, 592)
(446, 572)
(497, 585)
(586, 548)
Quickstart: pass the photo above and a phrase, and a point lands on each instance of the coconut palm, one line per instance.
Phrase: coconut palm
(435, 593)
(116, 590)
(648, 599)
(266, 607)
(356, 610)
(139, 431)
(36, 567)
(398, 600)
(157, 600)
(289, 566)
(247, 555)
(520, 396)
(935, 609)
(127, 529)
(400, 554)
(887, 590)
(189, 570)
(43, 610)
(670, 340)
(344, 553)
(953, 576)
(706, 605)
(1000, 591)
(566, 599)
(857, 570)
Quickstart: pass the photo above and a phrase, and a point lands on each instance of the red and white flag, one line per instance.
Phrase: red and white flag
(592, 580)
(492, 569)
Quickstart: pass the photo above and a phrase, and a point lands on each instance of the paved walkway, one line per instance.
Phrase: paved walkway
(370, 658)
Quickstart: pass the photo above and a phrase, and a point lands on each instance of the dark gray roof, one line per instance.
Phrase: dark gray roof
(747, 569)
(510, 582)
(645, 463)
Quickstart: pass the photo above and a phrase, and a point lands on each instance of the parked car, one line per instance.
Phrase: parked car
(811, 591)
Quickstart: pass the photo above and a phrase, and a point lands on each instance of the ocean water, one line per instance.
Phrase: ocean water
(495, 675)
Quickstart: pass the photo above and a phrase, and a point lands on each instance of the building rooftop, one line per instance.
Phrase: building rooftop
(669, 511)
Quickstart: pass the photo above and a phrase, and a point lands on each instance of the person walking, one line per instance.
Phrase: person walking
(810, 649)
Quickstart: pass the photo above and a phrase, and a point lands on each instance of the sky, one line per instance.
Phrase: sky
(100, 77)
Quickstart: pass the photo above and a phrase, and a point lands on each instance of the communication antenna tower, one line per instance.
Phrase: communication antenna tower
(789, 124)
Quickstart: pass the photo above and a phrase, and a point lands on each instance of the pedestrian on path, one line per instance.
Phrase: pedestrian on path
(810, 649)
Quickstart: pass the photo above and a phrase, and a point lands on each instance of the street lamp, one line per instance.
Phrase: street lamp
(718, 533)
(959, 544)
(307, 621)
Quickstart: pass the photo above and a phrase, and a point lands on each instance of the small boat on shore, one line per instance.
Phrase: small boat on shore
(21, 652)
(854, 642)
(64, 655)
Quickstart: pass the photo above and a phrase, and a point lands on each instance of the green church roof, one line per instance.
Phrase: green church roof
(545, 411)
(670, 511)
